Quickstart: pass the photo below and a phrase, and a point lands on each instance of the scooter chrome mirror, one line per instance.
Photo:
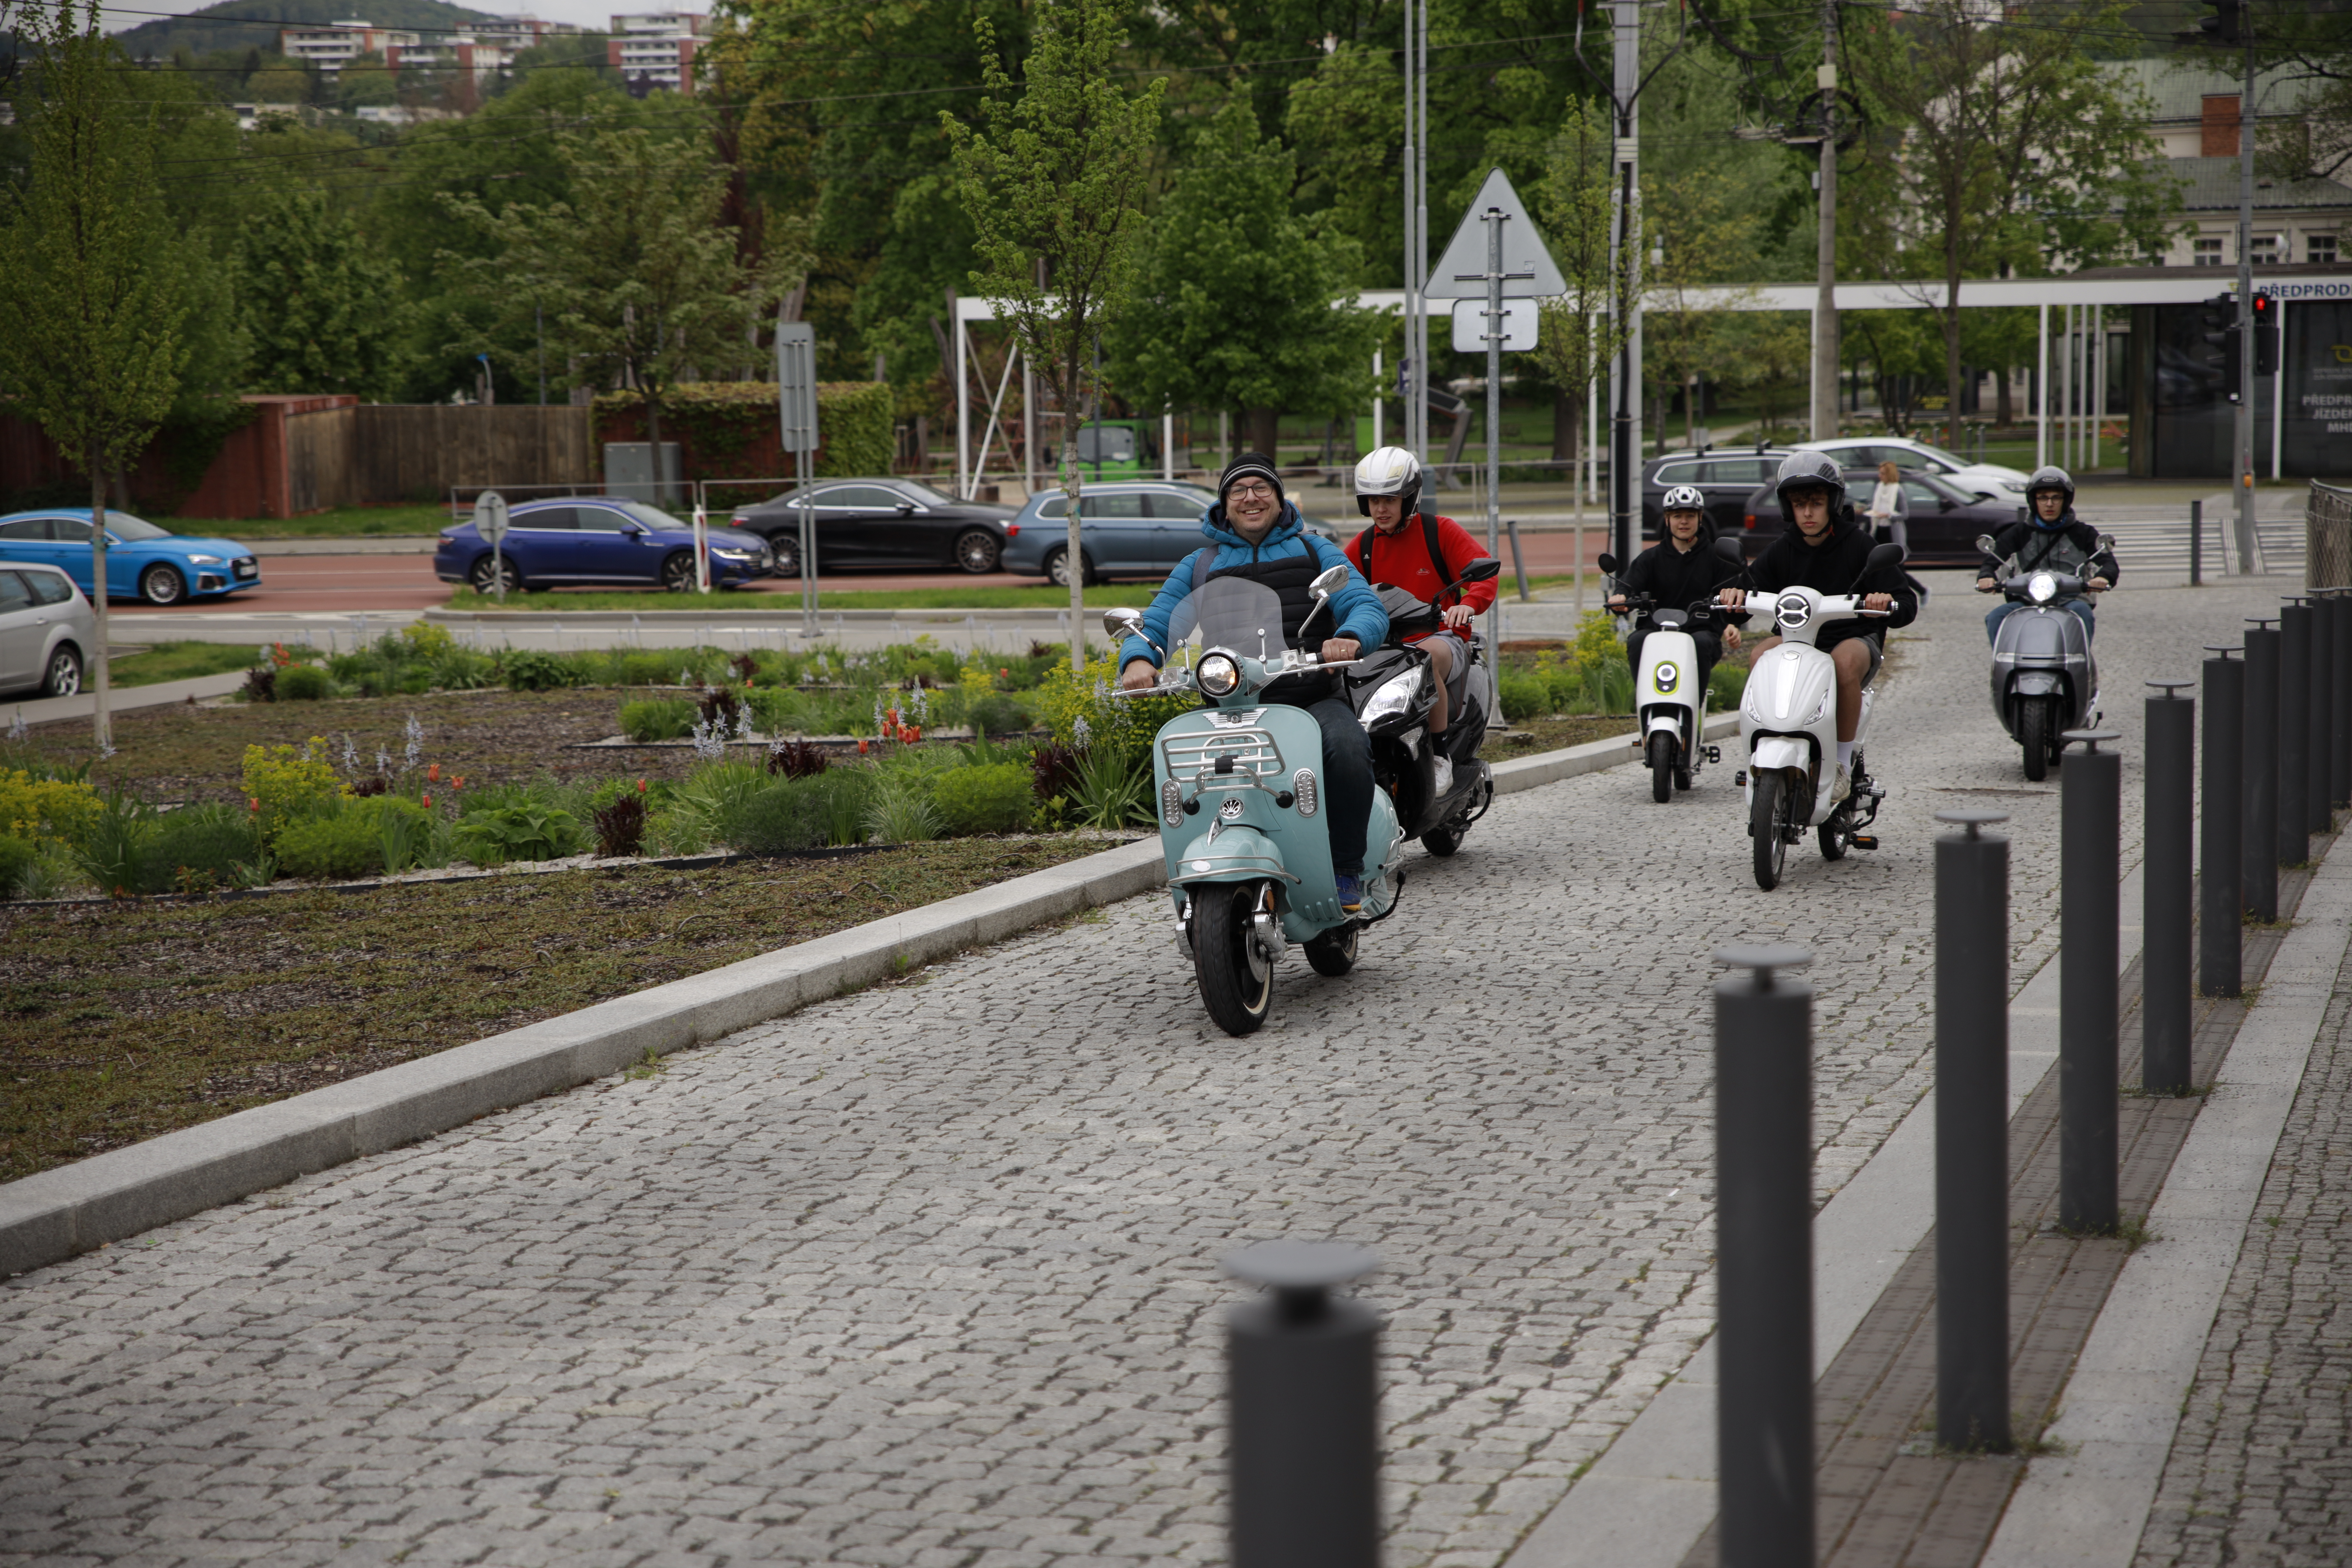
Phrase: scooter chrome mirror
(1123, 623)
(1606, 562)
(2106, 542)
(1327, 583)
(1485, 570)
(1984, 542)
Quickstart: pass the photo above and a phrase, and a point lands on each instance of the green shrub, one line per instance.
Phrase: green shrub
(114, 848)
(657, 718)
(1523, 697)
(16, 858)
(528, 832)
(304, 683)
(350, 842)
(996, 798)
(209, 839)
(701, 805)
(785, 818)
(900, 811)
(1000, 716)
(1729, 684)
(461, 669)
(529, 670)
(1111, 789)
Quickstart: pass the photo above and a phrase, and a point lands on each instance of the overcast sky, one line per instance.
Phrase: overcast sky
(579, 13)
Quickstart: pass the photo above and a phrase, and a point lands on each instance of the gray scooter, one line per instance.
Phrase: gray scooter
(2045, 680)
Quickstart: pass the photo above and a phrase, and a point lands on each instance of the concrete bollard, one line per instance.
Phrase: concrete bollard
(2320, 728)
(2340, 723)
(1303, 1372)
(2090, 804)
(1764, 1257)
(1973, 1133)
(2168, 889)
(2220, 850)
(2259, 862)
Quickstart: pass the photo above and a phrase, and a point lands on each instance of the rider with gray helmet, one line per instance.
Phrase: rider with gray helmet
(2051, 539)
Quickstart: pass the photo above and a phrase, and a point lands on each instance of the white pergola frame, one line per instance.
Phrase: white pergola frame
(2169, 286)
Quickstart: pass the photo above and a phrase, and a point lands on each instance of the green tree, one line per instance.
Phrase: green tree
(2310, 47)
(281, 81)
(1579, 333)
(2003, 148)
(1052, 182)
(1238, 302)
(90, 274)
(366, 81)
(1346, 123)
(1695, 232)
(635, 275)
(320, 308)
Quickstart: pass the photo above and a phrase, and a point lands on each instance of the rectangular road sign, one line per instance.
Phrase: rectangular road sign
(796, 384)
(1470, 327)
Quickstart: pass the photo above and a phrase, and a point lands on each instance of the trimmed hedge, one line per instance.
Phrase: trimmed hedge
(732, 427)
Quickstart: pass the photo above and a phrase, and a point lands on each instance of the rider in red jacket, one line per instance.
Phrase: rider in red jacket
(1423, 555)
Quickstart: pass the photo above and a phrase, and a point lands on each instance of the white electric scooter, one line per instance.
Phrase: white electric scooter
(1787, 721)
(1667, 693)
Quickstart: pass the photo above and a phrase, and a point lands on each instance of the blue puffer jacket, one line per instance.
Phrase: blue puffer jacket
(1357, 608)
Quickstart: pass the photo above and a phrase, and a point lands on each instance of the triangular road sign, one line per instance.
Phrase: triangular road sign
(1460, 272)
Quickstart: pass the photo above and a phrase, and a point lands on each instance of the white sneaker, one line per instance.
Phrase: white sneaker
(1842, 788)
(1445, 776)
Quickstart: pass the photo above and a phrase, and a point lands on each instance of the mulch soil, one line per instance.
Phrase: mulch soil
(120, 1021)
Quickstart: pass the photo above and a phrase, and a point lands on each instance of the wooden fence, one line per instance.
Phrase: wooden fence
(397, 452)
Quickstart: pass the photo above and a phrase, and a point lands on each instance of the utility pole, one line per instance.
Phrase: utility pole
(1625, 267)
(2249, 557)
(1412, 365)
(1825, 317)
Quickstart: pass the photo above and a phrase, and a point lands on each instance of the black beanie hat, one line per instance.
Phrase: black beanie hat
(1250, 465)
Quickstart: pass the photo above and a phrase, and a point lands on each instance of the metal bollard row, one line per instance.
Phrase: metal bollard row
(2259, 841)
(2088, 808)
(2166, 883)
(2222, 870)
(1973, 1133)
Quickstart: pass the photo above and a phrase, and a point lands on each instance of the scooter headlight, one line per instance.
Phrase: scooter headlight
(1821, 707)
(1395, 697)
(1219, 675)
(2042, 589)
(1792, 611)
(1665, 676)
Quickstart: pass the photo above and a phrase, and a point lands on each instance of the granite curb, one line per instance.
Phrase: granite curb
(122, 699)
(60, 1212)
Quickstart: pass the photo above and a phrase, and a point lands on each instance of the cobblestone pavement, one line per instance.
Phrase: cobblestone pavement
(928, 1275)
(2261, 1470)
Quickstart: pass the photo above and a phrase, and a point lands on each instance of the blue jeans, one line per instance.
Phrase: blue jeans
(2000, 613)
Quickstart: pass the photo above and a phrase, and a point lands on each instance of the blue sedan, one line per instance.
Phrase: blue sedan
(143, 561)
(1127, 528)
(598, 542)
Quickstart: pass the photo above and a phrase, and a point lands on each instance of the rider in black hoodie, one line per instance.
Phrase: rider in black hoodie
(1679, 571)
(1827, 550)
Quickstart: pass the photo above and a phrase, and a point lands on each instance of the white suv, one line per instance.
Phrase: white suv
(1869, 451)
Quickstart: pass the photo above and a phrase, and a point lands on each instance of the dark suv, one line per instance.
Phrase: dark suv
(1725, 477)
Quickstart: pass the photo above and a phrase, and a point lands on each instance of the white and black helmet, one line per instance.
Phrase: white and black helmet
(1809, 470)
(1388, 471)
(2050, 476)
(1682, 497)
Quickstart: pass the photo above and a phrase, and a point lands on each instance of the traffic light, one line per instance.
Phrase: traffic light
(2266, 335)
(2221, 340)
(2226, 28)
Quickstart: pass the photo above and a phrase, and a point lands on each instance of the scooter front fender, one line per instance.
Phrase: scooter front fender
(1774, 751)
(2037, 683)
(1239, 853)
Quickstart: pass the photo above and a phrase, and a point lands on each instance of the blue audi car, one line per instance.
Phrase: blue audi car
(598, 542)
(143, 561)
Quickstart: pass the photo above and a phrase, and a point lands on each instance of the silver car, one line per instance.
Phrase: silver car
(47, 630)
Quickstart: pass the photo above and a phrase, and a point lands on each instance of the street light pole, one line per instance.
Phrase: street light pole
(1625, 269)
(1825, 318)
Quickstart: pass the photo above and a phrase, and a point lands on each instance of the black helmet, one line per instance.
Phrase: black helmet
(1809, 470)
(2049, 477)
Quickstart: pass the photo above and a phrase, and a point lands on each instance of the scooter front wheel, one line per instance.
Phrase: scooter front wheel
(1236, 979)
(2033, 737)
(1662, 766)
(1768, 804)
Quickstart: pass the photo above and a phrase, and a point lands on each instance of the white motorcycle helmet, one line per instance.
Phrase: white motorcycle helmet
(1389, 471)
(1682, 497)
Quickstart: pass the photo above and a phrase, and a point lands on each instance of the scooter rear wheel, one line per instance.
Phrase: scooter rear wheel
(2033, 736)
(1765, 811)
(1237, 980)
(1662, 766)
(1442, 841)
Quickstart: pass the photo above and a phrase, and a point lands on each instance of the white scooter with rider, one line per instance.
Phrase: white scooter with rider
(1670, 590)
(1805, 717)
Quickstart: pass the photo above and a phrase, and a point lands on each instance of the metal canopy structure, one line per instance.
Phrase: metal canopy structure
(2112, 286)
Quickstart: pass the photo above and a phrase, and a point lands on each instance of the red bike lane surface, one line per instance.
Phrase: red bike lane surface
(312, 583)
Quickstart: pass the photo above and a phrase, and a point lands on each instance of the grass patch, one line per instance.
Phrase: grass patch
(179, 661)
(340, 522)
(118, 1022)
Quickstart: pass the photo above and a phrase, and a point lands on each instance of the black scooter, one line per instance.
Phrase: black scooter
(2045, 680)
(1393, 688)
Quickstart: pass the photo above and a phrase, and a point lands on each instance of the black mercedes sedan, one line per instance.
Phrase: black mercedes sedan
(1941, 519)
(879, 525)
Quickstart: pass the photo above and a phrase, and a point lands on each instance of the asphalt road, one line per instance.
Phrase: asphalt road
(929, 1274)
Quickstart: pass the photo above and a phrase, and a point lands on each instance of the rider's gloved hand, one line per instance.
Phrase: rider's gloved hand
(1138, 676)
